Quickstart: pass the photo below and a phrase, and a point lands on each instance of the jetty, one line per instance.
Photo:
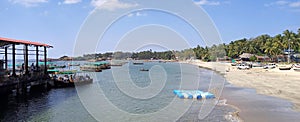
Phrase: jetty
(27, 76)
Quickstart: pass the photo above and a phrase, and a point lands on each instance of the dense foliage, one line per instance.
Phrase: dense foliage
(261, 45)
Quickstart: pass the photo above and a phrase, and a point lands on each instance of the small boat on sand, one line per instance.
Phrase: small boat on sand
(297, 69)
(297, 65)
(284, 67)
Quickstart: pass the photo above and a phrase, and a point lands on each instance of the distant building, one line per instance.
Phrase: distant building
(246, 56)
(263, 58)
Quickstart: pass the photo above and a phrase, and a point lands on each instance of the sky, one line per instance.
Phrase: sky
(58, 22)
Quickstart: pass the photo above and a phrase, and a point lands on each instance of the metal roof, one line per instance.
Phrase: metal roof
(7, 41)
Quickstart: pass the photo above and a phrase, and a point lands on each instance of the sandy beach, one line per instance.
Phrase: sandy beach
(272, 82)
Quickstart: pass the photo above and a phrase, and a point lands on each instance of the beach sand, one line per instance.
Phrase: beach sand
(272, 82)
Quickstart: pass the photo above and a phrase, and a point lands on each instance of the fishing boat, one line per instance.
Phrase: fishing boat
(90, 68)
(284, 67)
(142, 69)
(116, 65)
(69, 78)
(297, 65)
(62, 79)
(138, 63)
(83, 79)
(57, 66)
(297, 69)
(73, 64)
(95, 67)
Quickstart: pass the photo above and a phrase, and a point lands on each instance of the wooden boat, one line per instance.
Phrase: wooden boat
(56, 66)
(297, 69)
(138, 63)
(73, 64)
(297, 65)
(144, 69)
(81, 80)
(69, 79)
(284, 67)
(116, 65)
(90, 68)
(95, 67)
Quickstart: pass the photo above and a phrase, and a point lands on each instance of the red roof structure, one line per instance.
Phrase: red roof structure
(6, 41)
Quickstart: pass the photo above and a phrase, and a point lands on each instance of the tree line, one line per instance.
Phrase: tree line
(261, 45)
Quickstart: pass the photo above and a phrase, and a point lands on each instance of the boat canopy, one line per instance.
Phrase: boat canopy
(48, 63)
(99, 63)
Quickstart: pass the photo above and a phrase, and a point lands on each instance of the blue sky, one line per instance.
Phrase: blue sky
(57, 22)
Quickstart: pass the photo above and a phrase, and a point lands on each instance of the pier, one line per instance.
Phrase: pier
(27, 76)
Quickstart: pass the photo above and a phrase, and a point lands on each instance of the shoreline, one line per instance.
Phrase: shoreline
(268, 88)
(270, 82)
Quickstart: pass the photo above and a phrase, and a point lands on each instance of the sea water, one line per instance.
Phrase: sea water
(76, 104)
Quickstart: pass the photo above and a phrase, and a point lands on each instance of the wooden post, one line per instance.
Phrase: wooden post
(6, 63)
(26, 60)
(14, 59)
(45, 60)
(37, 58)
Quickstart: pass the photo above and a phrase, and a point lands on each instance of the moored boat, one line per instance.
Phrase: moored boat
(297, 69)
(90, 68)
(80, 80)
(142, 69)
(284, 67)
(73, 64)
(138, 63)
(56, 66)
(69, 78)
(297, 65)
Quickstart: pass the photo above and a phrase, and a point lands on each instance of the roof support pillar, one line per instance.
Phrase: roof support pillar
(14, 59)
(5, 56)
(45, 60)
(26, 59)
(37, 58)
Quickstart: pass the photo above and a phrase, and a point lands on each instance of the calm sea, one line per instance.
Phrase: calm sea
(119, 92)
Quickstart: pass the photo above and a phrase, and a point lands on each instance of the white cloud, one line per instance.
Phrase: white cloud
(111, 4)
(140, 14)
(207, 2)
(130, 15)
(295, 4)
(284, 3)
(137, 14)
(71, 1)
(28, 3)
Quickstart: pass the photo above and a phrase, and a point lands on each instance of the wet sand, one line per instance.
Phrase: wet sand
(253, 103)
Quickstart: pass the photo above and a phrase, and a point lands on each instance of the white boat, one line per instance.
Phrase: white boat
(297, 69)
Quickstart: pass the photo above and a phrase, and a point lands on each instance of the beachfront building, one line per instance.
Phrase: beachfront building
(246, 56)
(14, 75)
